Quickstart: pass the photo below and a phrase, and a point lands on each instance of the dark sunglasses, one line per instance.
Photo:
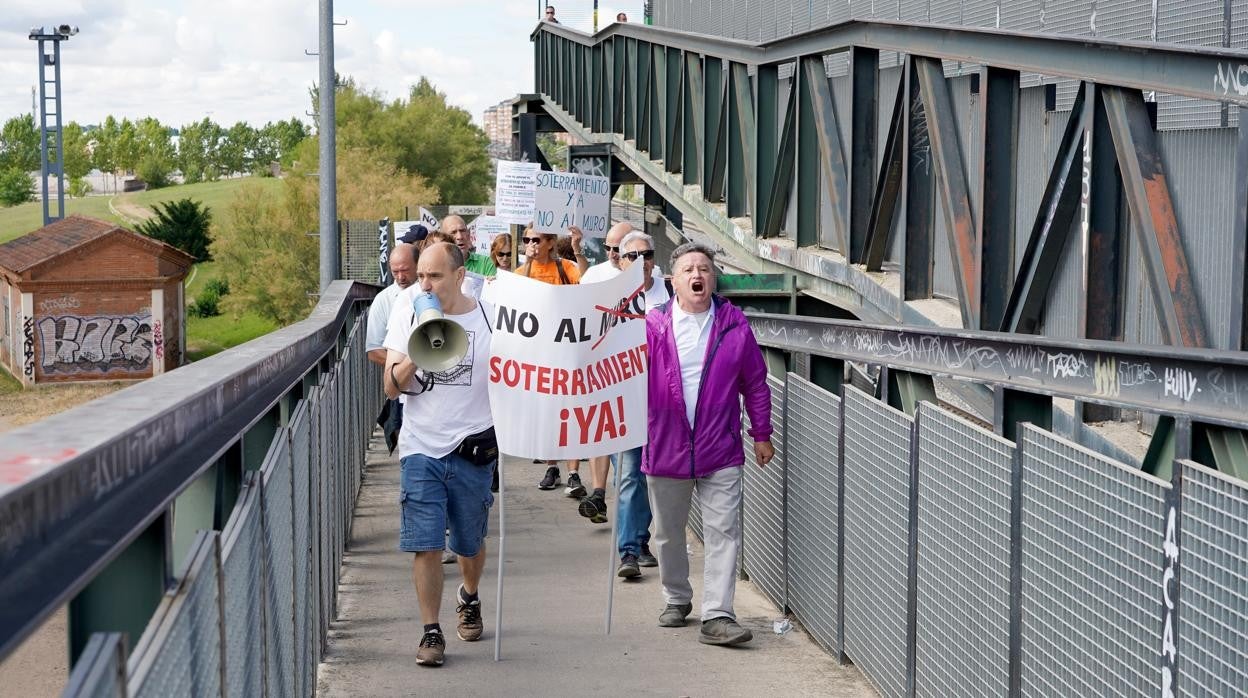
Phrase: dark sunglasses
(644, 254)
(504, 254)
(610, 248)
(530, 241)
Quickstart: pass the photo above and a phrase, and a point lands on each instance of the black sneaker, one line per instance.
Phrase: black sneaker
(594, 508)
(646, 559)
(432, 649)
(723, 631)
(673, 615)
(551, 481)
(628, 567)
(574, 489)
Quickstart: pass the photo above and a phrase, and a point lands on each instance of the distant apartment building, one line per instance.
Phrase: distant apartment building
(497, 122)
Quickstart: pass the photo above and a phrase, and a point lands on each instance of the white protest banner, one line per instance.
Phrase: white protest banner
(513, 191)
(563, 199)
(485, 229)
(428, 220)
(568, 366)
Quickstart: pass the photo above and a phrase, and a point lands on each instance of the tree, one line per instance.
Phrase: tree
(237, 149)
(197, 151)
(421, 135)
(77, 157)
(15, 186)
(104, 156)
(126, 147)
(19, 144)
(263, 246)
(276, 142)
(183, 224)
(157, 158)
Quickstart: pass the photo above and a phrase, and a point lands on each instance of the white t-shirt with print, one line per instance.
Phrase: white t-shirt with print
(458, 404)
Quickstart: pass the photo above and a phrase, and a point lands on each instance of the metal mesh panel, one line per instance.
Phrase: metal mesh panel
(763, 506)
(1092, 532)
(360, 250)
(877, 511)
(186, 657)
(243, 573)
(964, 558)
(279, 562)
(811, 465)
(1124, 20)
(1214, 611)
(304, 554)
(100, 670)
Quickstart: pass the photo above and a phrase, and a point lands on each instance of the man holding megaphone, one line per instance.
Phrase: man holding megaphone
(437, 353)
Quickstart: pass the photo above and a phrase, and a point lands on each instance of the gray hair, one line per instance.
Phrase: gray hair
(690, 247)
(636, 235)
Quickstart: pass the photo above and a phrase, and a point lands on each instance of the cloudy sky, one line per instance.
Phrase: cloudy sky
(243, 60)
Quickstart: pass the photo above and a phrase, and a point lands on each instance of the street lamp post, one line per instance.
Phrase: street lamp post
(53, 59)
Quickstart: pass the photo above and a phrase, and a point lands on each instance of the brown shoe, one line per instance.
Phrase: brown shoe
(469, 617)
(432, 649)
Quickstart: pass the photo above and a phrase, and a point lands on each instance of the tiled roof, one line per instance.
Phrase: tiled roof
(49, 241)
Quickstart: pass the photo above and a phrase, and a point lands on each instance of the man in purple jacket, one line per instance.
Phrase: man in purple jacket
(703, 359)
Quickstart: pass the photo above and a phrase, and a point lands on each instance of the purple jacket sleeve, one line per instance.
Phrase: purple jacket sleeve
(752, 382)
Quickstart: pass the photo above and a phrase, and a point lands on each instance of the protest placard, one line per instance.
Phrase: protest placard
(562, 200)
(513, 191)
(568, 366)
(484, 230)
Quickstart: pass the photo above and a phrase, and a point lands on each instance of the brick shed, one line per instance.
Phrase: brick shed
(88, 300)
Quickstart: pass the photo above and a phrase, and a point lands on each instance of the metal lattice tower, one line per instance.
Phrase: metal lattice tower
(50, 139)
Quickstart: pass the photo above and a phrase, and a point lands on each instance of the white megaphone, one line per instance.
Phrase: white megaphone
(436, 343)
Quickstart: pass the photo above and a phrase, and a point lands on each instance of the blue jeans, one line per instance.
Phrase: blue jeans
(633, 529)
(440, 493)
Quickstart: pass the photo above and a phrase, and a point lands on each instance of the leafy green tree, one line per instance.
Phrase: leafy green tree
(78, 187)
(157, 157)
(126, 148)
(184, 224)
(77, 157)
(15, 186)
(237, 149)
(19, 144)
(104, 157)
(198, 147)
(276, 142)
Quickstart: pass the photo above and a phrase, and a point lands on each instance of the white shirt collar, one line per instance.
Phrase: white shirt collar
(702, 318)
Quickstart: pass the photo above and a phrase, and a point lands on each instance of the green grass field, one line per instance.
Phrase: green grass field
(208, 336)
(215, 195)
(16, 221)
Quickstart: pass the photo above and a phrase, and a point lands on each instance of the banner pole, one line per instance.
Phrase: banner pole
(502, 540)
(615, 522)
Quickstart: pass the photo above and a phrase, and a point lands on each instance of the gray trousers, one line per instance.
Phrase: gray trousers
(720, 497)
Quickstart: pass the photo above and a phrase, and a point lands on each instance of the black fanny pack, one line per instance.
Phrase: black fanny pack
(479, 448)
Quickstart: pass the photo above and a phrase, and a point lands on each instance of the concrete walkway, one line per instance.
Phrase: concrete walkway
(555, 600)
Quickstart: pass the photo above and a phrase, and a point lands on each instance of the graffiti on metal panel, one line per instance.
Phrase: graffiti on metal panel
(1230, 77)
(158, 340)
(53, 305)
(1180, 383)
(591, 165)
(1169, 600)
(1225, 387)
(72, 345)
(1110, 376)
(28, 347)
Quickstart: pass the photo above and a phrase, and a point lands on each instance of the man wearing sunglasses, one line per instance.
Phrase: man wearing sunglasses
(611, 267)
(550, 14)
(639, 246)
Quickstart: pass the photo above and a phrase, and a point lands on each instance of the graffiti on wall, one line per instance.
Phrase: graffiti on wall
(28, 348)
(76, 345)
(158, 340)
(62, 304)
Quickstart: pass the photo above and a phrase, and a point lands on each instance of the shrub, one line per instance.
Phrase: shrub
(183, 224)
(15, 187)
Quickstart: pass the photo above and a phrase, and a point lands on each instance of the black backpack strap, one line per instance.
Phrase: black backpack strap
(563, 275)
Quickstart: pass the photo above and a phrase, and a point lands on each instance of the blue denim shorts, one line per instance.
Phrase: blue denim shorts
(440, 493)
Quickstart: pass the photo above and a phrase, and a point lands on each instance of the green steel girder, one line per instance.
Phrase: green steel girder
(782, 178)
(1222, 448)
(919, 225)
(644, 73)
(766, 106)
(673, 144)
(820, 148)
(693, 127)
(715, 142)
(864, 69)
(658, 101)
(630, 71)
(904, 390)
(741, 143)
(887, 190)
(998, 119)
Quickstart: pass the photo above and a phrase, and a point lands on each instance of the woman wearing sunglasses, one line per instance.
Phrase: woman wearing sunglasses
(543, 264)
(500, 252)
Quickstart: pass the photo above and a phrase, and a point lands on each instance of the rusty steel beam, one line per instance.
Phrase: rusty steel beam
(1049, 232)
(831, 151)
(1152, 209)
(998, 187)
(884, 202)
(917, 275)
(951, 178)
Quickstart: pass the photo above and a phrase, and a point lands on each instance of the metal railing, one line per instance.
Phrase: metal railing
(946, 559)
(197, 518)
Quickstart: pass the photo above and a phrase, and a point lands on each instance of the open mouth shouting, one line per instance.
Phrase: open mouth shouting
(697, 286)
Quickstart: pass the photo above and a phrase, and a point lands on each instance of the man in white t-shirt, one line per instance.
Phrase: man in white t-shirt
(446, 447)
(610, 268)
(403, 269)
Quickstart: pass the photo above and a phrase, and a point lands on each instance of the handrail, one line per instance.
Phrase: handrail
(78, 487)
(1219, 74)
(1207, 384)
